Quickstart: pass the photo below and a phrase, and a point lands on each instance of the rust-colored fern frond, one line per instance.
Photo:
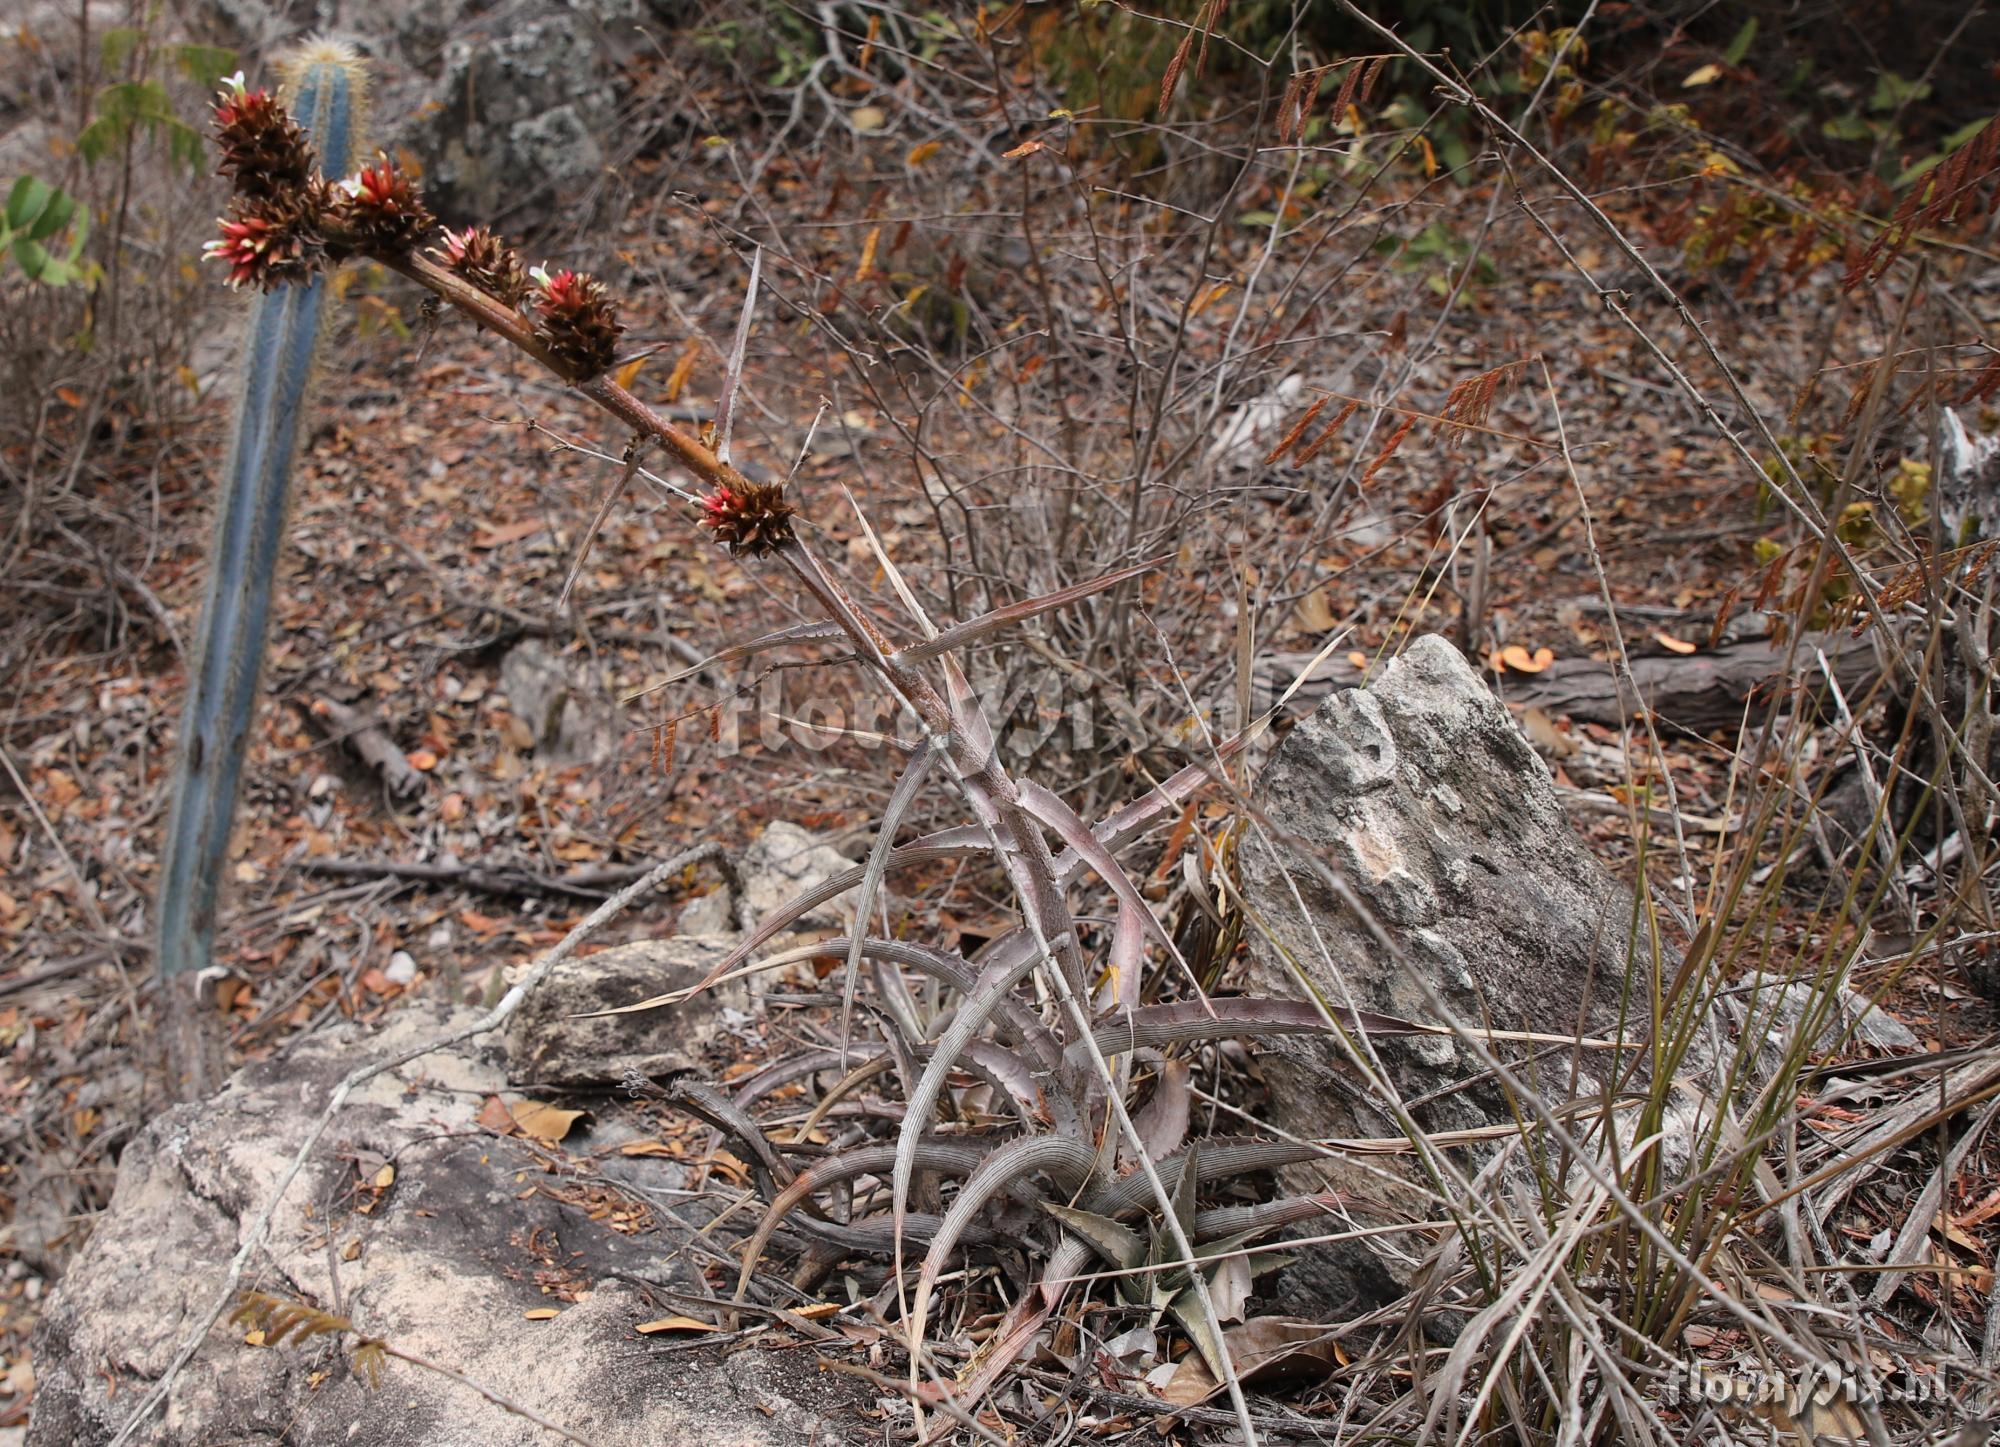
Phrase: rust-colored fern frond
(1943, 196)
(1204, 25)
(1403, 430)
(1295, 106)
(1912, 581)
(1286, 442)
(1326, 434)
(1170, 82)
(1985, 383)
(274, 1318)
(1470, 402)
(277, 1317)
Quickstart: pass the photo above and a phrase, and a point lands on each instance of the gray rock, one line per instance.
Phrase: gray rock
(784, 862)
(548, 1046)
(445, 1264)
(517, 115)
(505, 107)
(568, 720)
(1421, 794)
(713, 913)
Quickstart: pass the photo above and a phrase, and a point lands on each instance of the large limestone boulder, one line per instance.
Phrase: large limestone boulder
(507, 107)
(473, 1232)
(1421, 795)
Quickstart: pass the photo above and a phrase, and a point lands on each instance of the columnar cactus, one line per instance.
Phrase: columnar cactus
(270, 237)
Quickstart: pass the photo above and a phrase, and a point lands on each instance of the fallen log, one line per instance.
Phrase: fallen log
(1698, 692)
(510, 880)
(370, 742)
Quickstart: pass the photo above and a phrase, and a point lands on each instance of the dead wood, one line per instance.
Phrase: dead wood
(370, 743)
(1698, 692)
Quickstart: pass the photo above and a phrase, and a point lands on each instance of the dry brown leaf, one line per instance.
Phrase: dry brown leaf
(674, 1323)
(1517, 659)
(1270, 1350)
(1191, 1384)
(495, 1116)
(1673, 644)
(500, 534)
(542, 1121)
(1026, 148)
(540, 1313)
(1956, 1234)
(647, 1148)
(1544, 735)
(1316, 613)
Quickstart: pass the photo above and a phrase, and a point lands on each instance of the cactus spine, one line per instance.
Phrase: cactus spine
(327, 93)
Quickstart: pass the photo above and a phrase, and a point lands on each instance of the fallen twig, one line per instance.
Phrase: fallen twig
(371, 744)
(503, 879)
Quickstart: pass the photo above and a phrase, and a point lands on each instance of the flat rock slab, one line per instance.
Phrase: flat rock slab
(548, 1045)
(472, 1233)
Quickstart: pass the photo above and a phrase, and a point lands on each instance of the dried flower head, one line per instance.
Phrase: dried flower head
(486, 261)
(579, 321)
(379, 210)
(264, 153)
(751, 517)
(268, 241)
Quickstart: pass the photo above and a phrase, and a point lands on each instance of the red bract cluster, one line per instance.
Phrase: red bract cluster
(751, 517)
(379, 210)
(486, 261)
(263, 151)
(579, 321)
(265, 244)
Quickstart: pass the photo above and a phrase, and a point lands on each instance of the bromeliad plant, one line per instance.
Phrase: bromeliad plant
(1039, 1098)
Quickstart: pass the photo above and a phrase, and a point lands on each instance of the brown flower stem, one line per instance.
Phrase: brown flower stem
(1027, 858)
(497, 317)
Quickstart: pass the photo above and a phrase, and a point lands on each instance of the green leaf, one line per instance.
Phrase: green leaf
(55, 215)
(26, 200)
(1186, 1309)
(1965, 133)
(32, 258)
(117, 46)
(1927, 164)
(98, 139)
(1892, 91)
(184, 144)
(1453, 151)
(1740, 46)
(79, 234)
(205, 65)
(1113, 1240)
